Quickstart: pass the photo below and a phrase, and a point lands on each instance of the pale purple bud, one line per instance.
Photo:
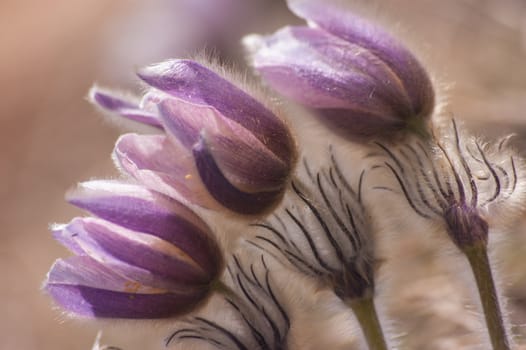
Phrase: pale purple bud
(144, 246)
(243, 152)
(361, 81)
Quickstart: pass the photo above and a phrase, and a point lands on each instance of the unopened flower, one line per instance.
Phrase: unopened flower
(324, 231)
(241, 151)
(458, 181)
(256, 304)
(144, 256)
(361, 81)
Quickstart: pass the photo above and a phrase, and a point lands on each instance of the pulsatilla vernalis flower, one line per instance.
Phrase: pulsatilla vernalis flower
(241, 151)
(260, 317)
(459, 181)
(359, 79)
(144, 256)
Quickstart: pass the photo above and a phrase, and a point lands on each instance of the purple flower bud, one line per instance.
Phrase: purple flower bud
(146, 256)
(360, 80)
(241, 152)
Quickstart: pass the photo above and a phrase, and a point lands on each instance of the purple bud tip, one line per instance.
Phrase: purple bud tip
(124, 107)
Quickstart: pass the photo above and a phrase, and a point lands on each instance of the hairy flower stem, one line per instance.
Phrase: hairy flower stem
(477, 256)
(365, 313)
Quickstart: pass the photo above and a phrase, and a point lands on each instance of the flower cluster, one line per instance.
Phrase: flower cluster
(220, 151)
(146, 254)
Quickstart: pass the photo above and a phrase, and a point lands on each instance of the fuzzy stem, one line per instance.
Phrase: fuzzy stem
(367, 317)
(477, 256)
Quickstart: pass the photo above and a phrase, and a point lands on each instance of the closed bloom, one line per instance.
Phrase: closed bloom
(145, 255)
(241, 152)
(360, 80)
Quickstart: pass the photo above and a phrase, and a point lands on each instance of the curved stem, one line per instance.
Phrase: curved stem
(477, 256)
(365, 312)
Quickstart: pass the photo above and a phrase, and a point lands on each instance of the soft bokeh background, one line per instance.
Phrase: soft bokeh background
(50, 137)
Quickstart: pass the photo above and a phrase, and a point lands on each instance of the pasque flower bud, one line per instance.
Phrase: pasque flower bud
(242, 152)
(145, 256)
(361, 81)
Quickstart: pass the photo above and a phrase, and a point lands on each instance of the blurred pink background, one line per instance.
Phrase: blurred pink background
(50, 137)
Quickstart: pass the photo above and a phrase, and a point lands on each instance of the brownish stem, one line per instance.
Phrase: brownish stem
(365, 312)
(477, 256)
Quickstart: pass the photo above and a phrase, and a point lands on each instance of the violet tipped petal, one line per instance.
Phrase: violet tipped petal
(114, 103)
(224, 192)
(249, 167)
(161, 165)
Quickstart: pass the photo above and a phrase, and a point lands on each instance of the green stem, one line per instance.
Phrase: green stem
(477, 256)
(365, 312)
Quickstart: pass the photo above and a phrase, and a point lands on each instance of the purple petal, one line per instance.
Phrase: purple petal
(162, 165)
(185, 121)
(73, 246)
(139, 209)
(320, 70)
(114, 103)
(360, 125)
(84, 287)
(371, 37)
(247, 163)
(248, 166)
(141, 257)
(196, 84)
(224, 192)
